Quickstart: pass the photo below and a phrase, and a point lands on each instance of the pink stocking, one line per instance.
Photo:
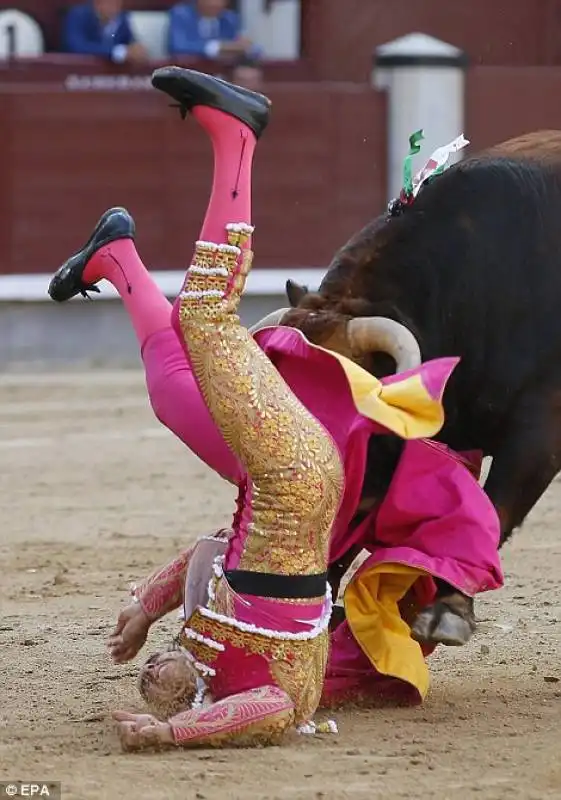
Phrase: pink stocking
(230, 201)
(173, 390)
(233, 146)
(178, 404)
(120, 264)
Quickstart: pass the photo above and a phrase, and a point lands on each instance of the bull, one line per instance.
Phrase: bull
(471, 268)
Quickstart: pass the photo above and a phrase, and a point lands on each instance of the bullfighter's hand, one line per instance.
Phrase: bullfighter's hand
(137, 731)
(129, 634)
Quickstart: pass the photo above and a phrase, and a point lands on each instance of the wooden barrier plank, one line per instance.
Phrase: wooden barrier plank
(70, 155)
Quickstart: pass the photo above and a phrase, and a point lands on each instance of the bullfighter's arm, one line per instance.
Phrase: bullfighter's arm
(252, 718)
(159, 594)
(164, 591)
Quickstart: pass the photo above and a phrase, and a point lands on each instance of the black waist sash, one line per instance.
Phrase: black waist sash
(267, 584)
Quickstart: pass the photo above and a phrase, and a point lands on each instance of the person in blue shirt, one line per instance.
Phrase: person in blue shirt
(207, 29)
(102, 28)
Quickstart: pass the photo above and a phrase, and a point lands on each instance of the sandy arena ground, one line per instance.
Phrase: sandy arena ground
(95, 494)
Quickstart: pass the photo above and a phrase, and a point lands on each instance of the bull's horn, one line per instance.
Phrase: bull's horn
(371, 334)
(274, 318)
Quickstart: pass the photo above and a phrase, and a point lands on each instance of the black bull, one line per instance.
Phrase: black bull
(473, 269)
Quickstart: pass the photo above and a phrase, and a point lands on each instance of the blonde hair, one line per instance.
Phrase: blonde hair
(177, 695)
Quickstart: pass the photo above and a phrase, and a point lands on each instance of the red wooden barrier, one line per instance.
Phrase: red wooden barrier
(56, 67)
(66, 156)
(340, 36)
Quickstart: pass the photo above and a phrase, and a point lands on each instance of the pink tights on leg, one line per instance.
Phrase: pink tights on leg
(178, 404)
(172, 388)
(233, 146)
(120, 264)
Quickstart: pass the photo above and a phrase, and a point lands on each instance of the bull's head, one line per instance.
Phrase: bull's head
(345, 329)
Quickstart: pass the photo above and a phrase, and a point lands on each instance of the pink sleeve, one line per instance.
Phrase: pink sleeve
(436, 517)
(179, 405)
(162, 591)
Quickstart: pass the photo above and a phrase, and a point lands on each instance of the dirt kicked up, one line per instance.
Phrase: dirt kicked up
(95, 493)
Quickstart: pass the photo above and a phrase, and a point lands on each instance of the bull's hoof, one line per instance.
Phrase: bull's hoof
(439, 624)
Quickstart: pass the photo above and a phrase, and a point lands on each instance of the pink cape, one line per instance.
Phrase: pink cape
(435, 516)
(450, 500)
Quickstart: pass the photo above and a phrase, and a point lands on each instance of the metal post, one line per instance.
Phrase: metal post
(425, 81)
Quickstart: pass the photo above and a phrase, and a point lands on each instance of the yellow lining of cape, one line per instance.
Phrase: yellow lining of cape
(371, 607)
(406, 407)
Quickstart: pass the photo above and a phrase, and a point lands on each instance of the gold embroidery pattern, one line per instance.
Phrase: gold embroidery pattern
(266, 732)
(296, 665)
(302, 676)
(258, 717)
(294, 465)
(202, 653)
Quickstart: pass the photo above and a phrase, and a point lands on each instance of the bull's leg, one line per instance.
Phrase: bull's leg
(527, 460)
(450, 620)
(464, 528)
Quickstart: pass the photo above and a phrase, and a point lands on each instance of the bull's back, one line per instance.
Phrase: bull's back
(542, 146)
(477, 260)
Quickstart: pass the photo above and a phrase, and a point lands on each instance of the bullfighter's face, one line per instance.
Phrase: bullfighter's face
(168, 682)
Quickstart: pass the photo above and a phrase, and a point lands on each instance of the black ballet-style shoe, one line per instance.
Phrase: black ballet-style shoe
(67, 281)
(190, 88)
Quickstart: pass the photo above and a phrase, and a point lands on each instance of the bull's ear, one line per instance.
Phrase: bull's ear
(295, 293)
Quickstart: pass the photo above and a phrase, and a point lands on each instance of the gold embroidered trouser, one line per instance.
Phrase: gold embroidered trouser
(293, 464)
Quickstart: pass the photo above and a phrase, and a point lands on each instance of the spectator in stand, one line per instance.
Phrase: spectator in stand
(102, 28)
(207, 28)
(247, 72)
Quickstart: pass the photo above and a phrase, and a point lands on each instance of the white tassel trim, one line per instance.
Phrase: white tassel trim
(218, 566)
(202, 245)
(240, 227)
(311, 728)
(229, 248)
(208, 271)
(219, 539)
(247, 627)
(202, 669)
(198, 637)
(268, 634)
(199, 294)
